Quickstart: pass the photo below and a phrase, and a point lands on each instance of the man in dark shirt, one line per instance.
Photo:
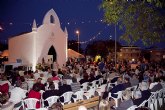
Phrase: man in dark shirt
(64, 88)
(137, 98)
(49, 93)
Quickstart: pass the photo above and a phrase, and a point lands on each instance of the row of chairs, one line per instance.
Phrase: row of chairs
(30, 103)
(155, 101)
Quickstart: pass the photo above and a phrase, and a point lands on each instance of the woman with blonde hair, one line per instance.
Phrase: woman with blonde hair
(104, 103)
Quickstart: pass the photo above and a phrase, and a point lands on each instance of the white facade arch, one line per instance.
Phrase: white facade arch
(35, 45)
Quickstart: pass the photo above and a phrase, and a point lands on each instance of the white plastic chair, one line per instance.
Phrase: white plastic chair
(60, 76)
(55, 84)
(21, 105)
(78, 79)
(90, 93)
(151, 101)
(30, 83)
(100, 81)
(101, 89)
(160, 97)
(142, 104)
(67, 97)
(30, 103)
(133, 107)
(79, 95)
(42, 109)
(93, 84)
(51, 100)
(42, 91)
(68, 81)
(84, 86)
(111, 84)
(119, 96)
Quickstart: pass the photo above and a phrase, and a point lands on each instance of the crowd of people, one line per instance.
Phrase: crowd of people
(146, 77)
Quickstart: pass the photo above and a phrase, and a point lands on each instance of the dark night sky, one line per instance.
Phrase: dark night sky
(16, 16)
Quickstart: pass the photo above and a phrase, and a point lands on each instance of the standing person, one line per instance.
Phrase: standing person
(101, 65)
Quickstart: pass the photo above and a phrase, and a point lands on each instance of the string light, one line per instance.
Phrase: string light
(94, 37)
(71, 22)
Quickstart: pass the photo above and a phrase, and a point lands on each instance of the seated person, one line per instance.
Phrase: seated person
(42, 86)
(137, 98)
(82, 108)
(127, 101)
(75, 85)
(145, 91)
(134, 80)
(24, 83)
(34, 93)
(50, 92)
(126, 83)
(85, 78)
(56, 106)
(54, 76)
(4, 84)
(104, 103)
(17, 93)
(64, 88)
(91, 77)
(117, 88)
(155, 86)
(5, 103)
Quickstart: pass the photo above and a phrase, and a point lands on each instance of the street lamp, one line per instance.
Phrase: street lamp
(78, 35)
(1, 29)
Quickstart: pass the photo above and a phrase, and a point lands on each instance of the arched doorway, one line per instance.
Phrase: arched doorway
(52, 51)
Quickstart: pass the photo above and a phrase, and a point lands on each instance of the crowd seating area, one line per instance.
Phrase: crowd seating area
(82, 84)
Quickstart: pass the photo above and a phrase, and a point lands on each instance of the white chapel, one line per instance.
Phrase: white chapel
(45, 41)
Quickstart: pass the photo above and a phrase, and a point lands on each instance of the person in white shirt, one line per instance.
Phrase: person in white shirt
(17, 93)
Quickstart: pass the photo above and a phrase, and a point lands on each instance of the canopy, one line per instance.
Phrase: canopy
(74, 54)
(5, 53)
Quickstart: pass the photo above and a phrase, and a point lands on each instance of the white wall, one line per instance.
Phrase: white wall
(20, 47)
(34, 46)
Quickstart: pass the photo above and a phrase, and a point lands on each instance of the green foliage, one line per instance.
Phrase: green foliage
(3, 46)
(139, 20)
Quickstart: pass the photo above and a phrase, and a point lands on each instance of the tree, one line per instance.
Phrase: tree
(72, 44)
(139, 20)
(3, 46)
(102, 48)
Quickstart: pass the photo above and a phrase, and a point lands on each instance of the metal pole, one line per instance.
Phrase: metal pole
(78, 42)
(115, 47)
